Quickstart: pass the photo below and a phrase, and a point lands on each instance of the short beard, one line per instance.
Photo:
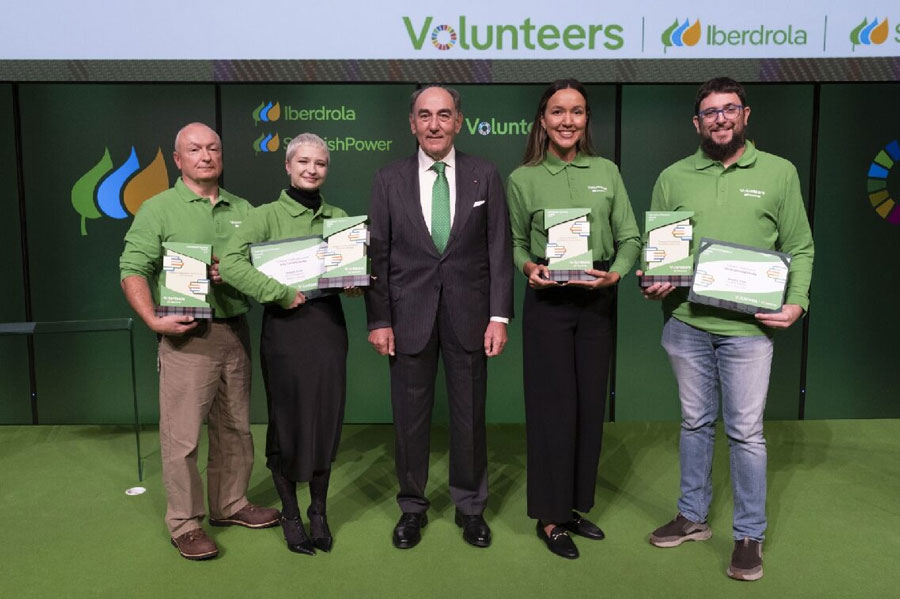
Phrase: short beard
(721, 152)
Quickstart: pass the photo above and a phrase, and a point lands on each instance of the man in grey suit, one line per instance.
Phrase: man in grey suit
(442, 259)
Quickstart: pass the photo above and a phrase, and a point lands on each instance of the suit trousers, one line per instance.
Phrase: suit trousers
(205, 375)
(412, 398)
(566, 340)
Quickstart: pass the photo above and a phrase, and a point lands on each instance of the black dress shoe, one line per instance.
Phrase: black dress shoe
(558, 542)
(295, 535)
(408, 531)
(475, 530)
(320, 533)
(584, 528)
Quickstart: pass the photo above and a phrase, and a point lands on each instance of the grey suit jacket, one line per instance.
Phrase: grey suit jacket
(474, 275)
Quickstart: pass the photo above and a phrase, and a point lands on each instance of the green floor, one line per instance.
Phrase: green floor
(834, 522)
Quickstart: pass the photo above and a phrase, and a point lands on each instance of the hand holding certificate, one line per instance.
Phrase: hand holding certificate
(568, 251)
(667, 255)
(297, 263)
(739, 278)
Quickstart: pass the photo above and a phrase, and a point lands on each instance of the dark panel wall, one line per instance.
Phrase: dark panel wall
(853, 355)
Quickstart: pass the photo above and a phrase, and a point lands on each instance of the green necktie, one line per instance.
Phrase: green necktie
(440, 208)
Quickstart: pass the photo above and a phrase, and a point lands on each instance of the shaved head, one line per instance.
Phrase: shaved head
(192, 128)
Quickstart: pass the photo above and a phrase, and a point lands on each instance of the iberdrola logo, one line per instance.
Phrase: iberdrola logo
(867, 33)
(118, 193)
(681, 34)
(267, 142)
(266, 112)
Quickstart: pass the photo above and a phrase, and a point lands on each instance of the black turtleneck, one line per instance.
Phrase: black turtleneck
(309, 199)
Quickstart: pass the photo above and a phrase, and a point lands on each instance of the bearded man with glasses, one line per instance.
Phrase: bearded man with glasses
(741, 195)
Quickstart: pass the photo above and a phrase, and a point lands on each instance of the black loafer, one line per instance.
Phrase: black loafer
(584, 528)
(295, 536)
(475, 530)
(408, 531)
(320, 533)
(558, 542)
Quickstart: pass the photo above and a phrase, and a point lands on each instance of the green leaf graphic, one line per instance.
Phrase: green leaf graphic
(854, 35)
(83, 190)
(256, 112)
(667, 36)
(257, 142)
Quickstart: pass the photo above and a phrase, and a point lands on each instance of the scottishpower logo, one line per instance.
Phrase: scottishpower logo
(266, 112)
(866, 33)
(117, 193)
(877, 183)
(684, 34)
(465, 35)
(267, 142)
(681, 34)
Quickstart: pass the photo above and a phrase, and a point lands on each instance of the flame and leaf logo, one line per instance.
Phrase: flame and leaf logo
(266, 112)
(117, 193)
(267, 142)
(681, 34)
(867, 33)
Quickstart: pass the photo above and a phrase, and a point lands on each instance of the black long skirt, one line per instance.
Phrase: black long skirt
(304, 363)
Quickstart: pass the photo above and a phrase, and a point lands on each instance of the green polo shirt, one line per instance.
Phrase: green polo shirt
(284, 218)
(586, 182)
(755, 201)
(178, 214)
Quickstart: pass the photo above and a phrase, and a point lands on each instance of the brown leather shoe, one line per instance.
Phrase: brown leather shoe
(251, 516)
(194, 544)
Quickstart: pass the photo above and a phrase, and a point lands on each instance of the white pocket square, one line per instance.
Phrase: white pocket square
(478, 203)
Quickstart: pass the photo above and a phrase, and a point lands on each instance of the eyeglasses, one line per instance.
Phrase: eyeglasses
(730, 112)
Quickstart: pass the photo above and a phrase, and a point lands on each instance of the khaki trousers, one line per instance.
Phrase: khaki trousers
(205, 375)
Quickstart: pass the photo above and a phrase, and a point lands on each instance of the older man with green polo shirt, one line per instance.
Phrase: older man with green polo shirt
(204, 366)
(742, 195)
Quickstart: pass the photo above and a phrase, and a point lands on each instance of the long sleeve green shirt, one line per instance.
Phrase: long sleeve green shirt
(586, 182)
(755, 201)
(179, 214)
(284, 218)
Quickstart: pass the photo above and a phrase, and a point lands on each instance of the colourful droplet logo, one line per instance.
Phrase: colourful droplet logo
(443, 37)
(866, 33)
(681, 34)
(117, 192)
(877, 183)
(267, 142)
(266, 112)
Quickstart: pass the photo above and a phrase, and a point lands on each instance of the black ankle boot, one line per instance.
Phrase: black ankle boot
(295, 535)
(319, 531)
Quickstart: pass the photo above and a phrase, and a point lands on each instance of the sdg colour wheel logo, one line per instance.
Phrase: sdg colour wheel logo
(681, 34)
(877, 184)
(443, 37)
(867, 33)
(266, 112)
(118, 193)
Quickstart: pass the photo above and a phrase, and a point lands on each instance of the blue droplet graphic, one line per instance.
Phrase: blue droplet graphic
(110, 190)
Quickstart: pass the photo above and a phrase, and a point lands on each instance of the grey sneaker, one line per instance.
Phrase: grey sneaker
(678, 531)
(746, 560)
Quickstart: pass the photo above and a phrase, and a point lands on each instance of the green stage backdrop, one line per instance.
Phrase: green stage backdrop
(82, 183)
(853, 356)
(15, 403)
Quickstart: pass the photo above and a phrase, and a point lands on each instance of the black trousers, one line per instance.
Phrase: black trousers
(566, 341)
(412, 398)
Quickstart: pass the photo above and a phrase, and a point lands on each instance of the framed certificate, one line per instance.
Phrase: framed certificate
(568, 250)
(346, 260)
(297, 262)
(739, 277)
(184, 281)
(667, 255)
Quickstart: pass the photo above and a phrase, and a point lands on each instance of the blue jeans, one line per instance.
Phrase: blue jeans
(703, 363)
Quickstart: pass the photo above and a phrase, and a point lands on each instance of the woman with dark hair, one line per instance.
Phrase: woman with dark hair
(566, 334)
(303, 347)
